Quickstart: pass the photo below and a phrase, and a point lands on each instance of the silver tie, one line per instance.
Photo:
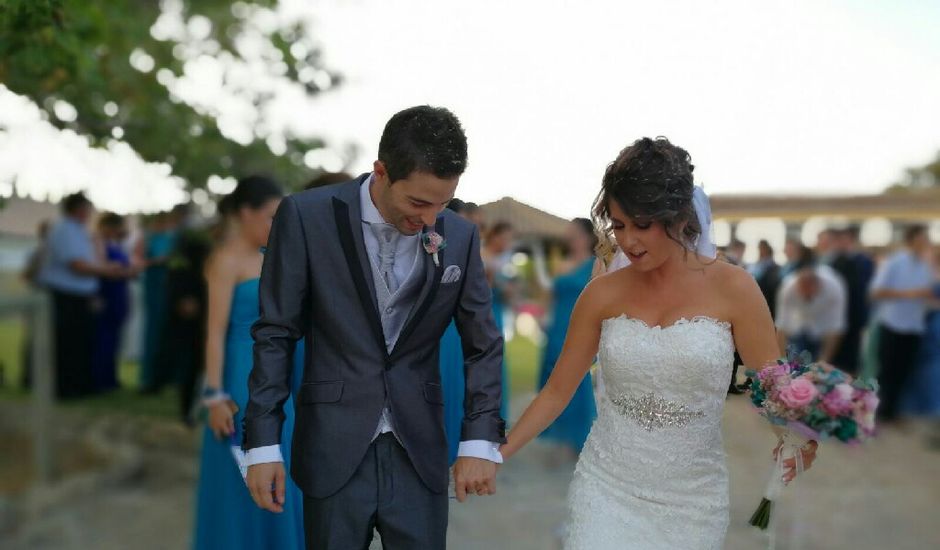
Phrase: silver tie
(387, 235)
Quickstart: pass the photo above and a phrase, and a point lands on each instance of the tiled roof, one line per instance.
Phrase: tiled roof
(527, 221)
(21, 217)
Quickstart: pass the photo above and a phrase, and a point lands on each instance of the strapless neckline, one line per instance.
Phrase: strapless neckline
(678, 322)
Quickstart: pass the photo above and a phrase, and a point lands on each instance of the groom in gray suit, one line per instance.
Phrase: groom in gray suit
(370, 272)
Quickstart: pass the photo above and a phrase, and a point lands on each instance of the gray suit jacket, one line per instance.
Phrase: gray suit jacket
(316, 284)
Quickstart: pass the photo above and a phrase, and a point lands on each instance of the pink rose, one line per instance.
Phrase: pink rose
(839, 400)
(798, 393)
(870, 399)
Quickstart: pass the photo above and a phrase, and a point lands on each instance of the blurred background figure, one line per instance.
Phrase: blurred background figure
(734, 252)
(921, 396)
(571, 428)
(901, 288)
(327, 178)
(153, 251)
(842, 259)
(186, 310)
(473, 212)
(453, 383)
(767, 273)
(811, 311)
(226, 516)
(70, 272)
(795, 251)
(496, 251)
(114, 301)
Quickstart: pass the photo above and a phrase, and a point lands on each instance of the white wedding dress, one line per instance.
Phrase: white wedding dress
(652, 475)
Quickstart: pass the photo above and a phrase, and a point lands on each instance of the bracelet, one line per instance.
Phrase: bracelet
(213, 396)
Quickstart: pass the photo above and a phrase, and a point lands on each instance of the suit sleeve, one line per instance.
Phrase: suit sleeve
(482, 345)
(283, 294)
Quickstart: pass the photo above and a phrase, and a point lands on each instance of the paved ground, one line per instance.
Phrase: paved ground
(885, 495)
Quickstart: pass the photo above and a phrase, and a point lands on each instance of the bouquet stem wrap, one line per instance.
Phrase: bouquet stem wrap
(791, 445)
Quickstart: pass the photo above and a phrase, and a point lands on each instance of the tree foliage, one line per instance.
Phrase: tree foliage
(80, 52)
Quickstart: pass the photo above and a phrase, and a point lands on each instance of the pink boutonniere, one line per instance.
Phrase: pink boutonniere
(433, 243)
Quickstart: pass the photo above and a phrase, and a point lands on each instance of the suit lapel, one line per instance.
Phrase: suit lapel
(432, 280)
(348, 214)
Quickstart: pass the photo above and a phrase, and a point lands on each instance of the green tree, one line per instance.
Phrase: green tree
(108, 69)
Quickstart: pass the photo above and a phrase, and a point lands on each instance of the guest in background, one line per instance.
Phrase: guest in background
(474, 213)
(114, 301)
(70, 272)
(571, 428)
(902, 287)
(921, 396)
(811, 311)
(734, 253)
(153, 251)
(497, 247)
(796, 252)
(767, 273)
(327, 178)
(186, 314)
(226, 516)
(825, 245)
(842, 260)
(452, 373)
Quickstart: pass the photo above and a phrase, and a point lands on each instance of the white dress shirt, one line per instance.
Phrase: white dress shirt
(822, 315)
(405, 254)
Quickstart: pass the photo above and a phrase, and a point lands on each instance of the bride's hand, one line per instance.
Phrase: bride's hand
(790, 466)
(222, 418)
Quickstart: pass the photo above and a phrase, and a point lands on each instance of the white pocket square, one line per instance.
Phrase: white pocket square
(451, 274)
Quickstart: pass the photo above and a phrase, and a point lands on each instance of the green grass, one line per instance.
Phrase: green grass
(11, 363)
(522, 357)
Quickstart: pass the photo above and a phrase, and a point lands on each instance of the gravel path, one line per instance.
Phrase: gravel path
(885, 495)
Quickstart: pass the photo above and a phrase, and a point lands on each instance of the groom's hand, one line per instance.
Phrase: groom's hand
(266, 484)
(474, 476)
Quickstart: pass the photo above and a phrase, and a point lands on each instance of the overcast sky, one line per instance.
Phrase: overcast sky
(796, 97)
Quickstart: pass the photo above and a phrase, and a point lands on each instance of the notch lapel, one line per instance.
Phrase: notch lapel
(348, 214)
(432, 280)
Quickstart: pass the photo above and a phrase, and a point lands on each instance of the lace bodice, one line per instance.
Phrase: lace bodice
(652, 474)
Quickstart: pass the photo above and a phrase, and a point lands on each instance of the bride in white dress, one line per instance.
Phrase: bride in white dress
(652, 475)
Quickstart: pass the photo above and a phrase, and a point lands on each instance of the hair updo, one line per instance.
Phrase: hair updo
(251, 191)
(651, 180)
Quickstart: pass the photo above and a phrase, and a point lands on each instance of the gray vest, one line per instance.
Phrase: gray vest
(394, 309)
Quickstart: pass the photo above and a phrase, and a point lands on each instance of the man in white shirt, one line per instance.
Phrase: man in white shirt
(901, 289)
(812, 311)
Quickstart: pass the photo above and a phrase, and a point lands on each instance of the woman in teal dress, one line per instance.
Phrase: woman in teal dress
(153, 251)
(226, 515)
(571, 428)
(497, 245)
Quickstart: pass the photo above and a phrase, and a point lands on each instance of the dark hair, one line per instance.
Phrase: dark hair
(423, 139)
(587, 226)
(456, 205)
(327, 178)
(913, 231)
(110, 220)
(807, 260)
(252, 191)
(72, 203)
(651, 180)
(764, 247)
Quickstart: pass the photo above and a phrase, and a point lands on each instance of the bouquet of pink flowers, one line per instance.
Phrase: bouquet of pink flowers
(811, 401)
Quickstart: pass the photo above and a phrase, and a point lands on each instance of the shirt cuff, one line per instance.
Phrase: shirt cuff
(263, 455)
(479, 448)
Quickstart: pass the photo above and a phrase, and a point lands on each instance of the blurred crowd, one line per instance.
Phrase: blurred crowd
(874, 315)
